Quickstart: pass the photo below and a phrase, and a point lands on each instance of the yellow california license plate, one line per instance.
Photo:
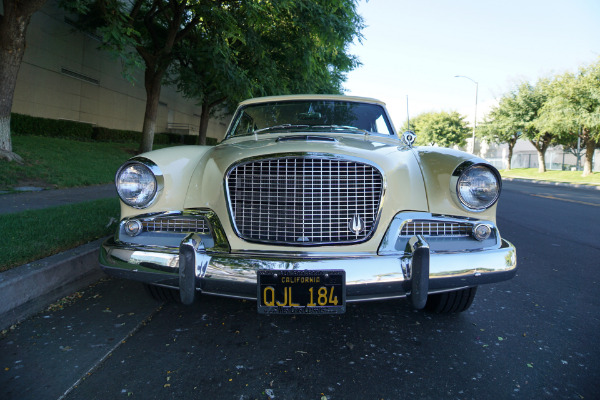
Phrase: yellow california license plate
(301, 292)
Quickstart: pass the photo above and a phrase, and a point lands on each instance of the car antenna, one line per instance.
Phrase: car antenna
(407, 115)
(409, 136)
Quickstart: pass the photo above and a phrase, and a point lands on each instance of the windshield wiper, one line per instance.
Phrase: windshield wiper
(342, 128)
(282, 126)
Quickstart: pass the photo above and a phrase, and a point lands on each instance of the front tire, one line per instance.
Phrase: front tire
(451, 302)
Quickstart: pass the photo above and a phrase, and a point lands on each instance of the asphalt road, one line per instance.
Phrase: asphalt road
(533, 337)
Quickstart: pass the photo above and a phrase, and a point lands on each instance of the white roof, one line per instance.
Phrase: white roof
(296, 97)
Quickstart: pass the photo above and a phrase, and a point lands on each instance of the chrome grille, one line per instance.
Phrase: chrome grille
(436, 228)
(304, 200)
(176, 225)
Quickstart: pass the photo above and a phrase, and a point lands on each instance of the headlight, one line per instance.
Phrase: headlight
(137, 183)
(478, 187)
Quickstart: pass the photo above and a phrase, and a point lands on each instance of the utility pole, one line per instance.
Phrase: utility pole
(476, 96)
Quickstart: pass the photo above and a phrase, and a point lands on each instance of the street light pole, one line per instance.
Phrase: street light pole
(476, 96)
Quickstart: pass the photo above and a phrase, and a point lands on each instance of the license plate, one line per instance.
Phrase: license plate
(301, 292)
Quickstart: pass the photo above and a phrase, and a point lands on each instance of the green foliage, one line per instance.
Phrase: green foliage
(444, 129)
(226, 51)
(27, 125)
(503, 124)
(574, 104)
(267, 48)
(557, 110)
(64, 227)
(102, 134)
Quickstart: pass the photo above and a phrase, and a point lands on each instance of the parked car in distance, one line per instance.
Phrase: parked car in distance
(309, 203)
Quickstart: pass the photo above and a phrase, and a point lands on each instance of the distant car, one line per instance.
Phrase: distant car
(311, 202)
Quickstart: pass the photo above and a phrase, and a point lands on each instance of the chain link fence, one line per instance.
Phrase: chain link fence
(555, 160)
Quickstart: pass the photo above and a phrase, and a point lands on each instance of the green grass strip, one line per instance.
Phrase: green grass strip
(54, 162)
(30, 235)
(553, 176)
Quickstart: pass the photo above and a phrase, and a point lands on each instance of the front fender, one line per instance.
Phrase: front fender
(437, 165)
(177, 165)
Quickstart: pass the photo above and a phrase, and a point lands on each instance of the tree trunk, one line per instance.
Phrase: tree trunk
(511, 146)
(152, 83)
(204, 117)
(590, 147)
(541, 144)
(541, 161)
(13, 29)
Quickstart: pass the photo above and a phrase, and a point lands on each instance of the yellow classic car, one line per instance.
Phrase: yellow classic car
(310, 202)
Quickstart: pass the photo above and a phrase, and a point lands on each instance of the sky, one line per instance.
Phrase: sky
(412, 50)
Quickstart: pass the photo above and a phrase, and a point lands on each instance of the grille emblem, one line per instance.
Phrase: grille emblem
(356, 224)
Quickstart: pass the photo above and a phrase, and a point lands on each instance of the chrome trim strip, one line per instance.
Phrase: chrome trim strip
(307, 138)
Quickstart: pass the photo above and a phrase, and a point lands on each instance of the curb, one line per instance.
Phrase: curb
(28, 289)
(551, 183)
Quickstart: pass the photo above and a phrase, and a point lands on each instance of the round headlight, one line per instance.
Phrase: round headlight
(136, 184)
(478, 187)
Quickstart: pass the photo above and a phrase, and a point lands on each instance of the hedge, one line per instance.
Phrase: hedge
(27, 125)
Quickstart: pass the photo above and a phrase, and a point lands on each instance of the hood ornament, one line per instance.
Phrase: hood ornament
(356, 224)
(409, 138)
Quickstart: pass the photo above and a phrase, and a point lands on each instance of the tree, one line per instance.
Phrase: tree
(153, 28)
(440, 128)
(13, 28)
(503, 124)
(276, 48)
(157, 28)
(529, 100)
(573, 110)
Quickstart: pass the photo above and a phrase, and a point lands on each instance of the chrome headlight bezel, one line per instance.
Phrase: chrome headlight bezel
(152, 175)
(459, 183)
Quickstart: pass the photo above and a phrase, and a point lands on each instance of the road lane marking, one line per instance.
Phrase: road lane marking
(569, 200)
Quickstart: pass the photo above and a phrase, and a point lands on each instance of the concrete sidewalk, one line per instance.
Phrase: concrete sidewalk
(36, 200)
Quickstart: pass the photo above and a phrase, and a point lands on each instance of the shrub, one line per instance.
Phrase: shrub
(27, 125)
(102, 134)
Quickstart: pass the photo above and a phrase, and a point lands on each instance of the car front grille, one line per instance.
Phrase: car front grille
(304, 200)
(176, 225)
(431, 228)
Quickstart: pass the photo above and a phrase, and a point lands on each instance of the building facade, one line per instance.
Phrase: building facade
(64, 75)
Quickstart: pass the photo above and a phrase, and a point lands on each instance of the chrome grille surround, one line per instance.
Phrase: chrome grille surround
(304, 200)
(432, 228)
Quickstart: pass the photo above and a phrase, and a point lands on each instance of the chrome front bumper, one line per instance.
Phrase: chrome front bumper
(368, 277)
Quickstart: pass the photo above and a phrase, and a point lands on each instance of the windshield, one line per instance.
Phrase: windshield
(311, 116)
